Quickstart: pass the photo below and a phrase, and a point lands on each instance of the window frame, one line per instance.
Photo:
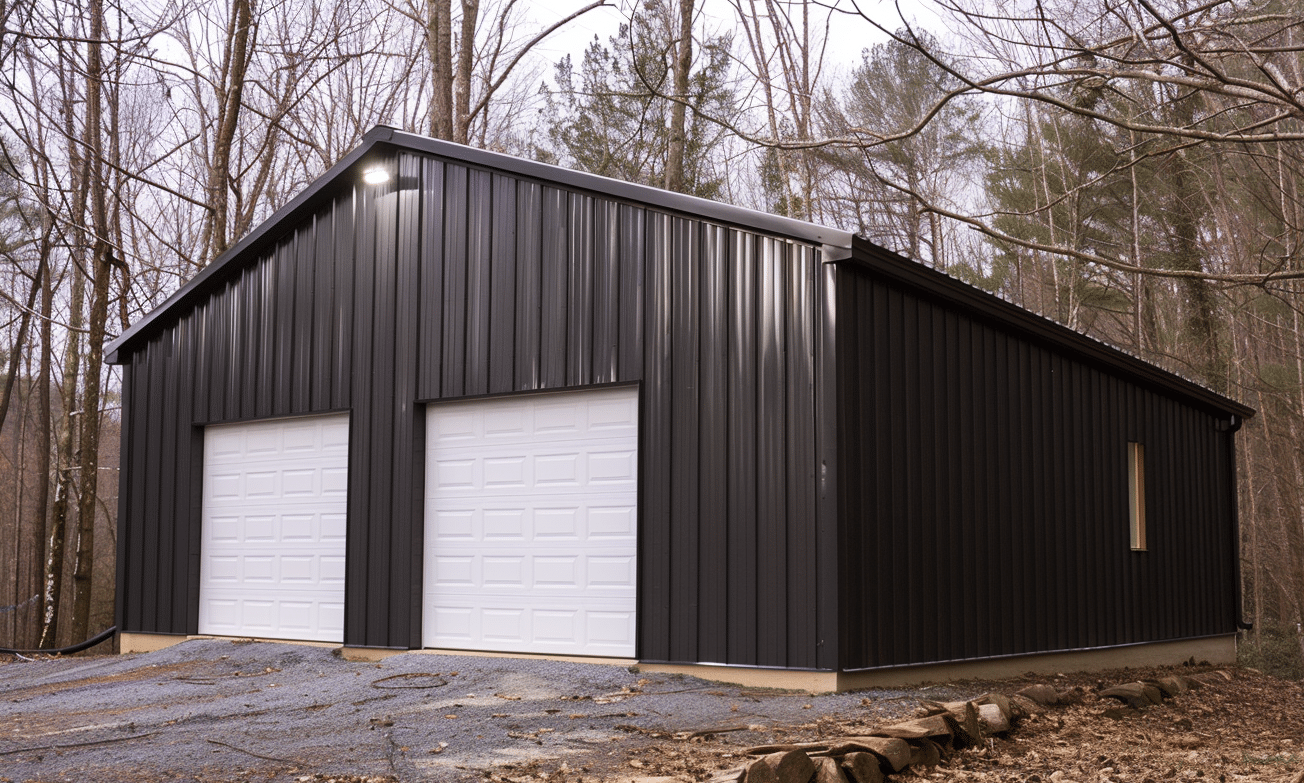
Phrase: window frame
(1136, 496)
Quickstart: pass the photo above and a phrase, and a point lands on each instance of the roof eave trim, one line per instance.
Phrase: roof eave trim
(628, 191)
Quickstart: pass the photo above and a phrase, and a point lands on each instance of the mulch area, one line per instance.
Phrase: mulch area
(1242, 725)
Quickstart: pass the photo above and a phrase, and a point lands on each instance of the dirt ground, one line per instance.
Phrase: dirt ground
(1242, 726)
(213, 711)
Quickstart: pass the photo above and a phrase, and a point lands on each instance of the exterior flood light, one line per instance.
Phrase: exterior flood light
(376, 175)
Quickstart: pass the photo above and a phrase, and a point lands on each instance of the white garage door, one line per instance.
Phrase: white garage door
(531, 524)
(272, 561)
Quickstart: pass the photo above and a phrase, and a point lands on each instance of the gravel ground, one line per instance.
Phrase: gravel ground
(211, 710)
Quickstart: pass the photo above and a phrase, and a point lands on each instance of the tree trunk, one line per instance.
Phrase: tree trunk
(230, 95)
(678, 142)
(27, 573)
(52, 589)
(1199, 323)
(40, 514)
(115, 155)
(101, 260)
(914, 215)
(439, 43)
(1253, 522)
(756, 42)
(465, 69)
(16, 351)
(63, 491)
(1137, 343)
(935, 241)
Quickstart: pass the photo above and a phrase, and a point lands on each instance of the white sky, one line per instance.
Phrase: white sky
(848, 33)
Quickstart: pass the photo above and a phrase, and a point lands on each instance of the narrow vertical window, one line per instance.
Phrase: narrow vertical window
(1136, 494)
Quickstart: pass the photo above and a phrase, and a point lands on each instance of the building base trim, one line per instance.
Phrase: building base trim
(752, 676)
(1213, 649)
(371, 654)
(131, 642)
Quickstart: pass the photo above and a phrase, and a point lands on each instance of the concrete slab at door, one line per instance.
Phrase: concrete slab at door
(531, 523)
(274, 509)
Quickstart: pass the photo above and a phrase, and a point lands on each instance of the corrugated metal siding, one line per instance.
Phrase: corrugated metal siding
(454, 281)
(984, 497)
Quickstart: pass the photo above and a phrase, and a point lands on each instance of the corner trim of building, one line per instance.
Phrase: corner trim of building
(1214, 649)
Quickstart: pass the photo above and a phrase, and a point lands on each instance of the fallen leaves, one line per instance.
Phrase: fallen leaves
(1232, 725)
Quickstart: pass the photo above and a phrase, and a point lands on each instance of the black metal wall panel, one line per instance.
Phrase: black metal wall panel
(829, 423)
(453, 358)
(632, 242)
(529, 289)
(169, 478)
(555, 286)
(713, 420)
(801, 323)
(742, 554)
(579, 310)
(502, 287)
(480, 236)
(983, 492)
(655, 444)
(455, 281)
(363, 609)
(431, 242)
(407, 483)
(684, 328)
(606, 292)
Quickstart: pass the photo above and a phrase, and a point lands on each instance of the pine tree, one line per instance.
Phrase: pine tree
(890, 94)
(612, 117)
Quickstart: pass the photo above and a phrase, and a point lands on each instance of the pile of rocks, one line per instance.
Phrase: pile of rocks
(924, 741)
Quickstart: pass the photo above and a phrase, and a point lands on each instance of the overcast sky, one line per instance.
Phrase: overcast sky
(848, 34)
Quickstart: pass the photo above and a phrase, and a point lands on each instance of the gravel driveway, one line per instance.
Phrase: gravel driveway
(231, 710)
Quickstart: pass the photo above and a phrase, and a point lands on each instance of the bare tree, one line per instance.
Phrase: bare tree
(101, 259)
(1215, 74)
(469, 69)
(682, 47)
(786, 48)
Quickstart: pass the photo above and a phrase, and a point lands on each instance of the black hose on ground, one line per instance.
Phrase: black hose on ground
(102, 636)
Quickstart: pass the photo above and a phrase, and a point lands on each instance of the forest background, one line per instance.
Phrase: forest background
(1130, 168)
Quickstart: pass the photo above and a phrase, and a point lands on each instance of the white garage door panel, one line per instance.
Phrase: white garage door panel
(485, 624)
(559, 467)
(595, 574)
(531, 524)
(275, 495)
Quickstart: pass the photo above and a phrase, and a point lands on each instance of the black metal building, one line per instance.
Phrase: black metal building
(844, 460)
